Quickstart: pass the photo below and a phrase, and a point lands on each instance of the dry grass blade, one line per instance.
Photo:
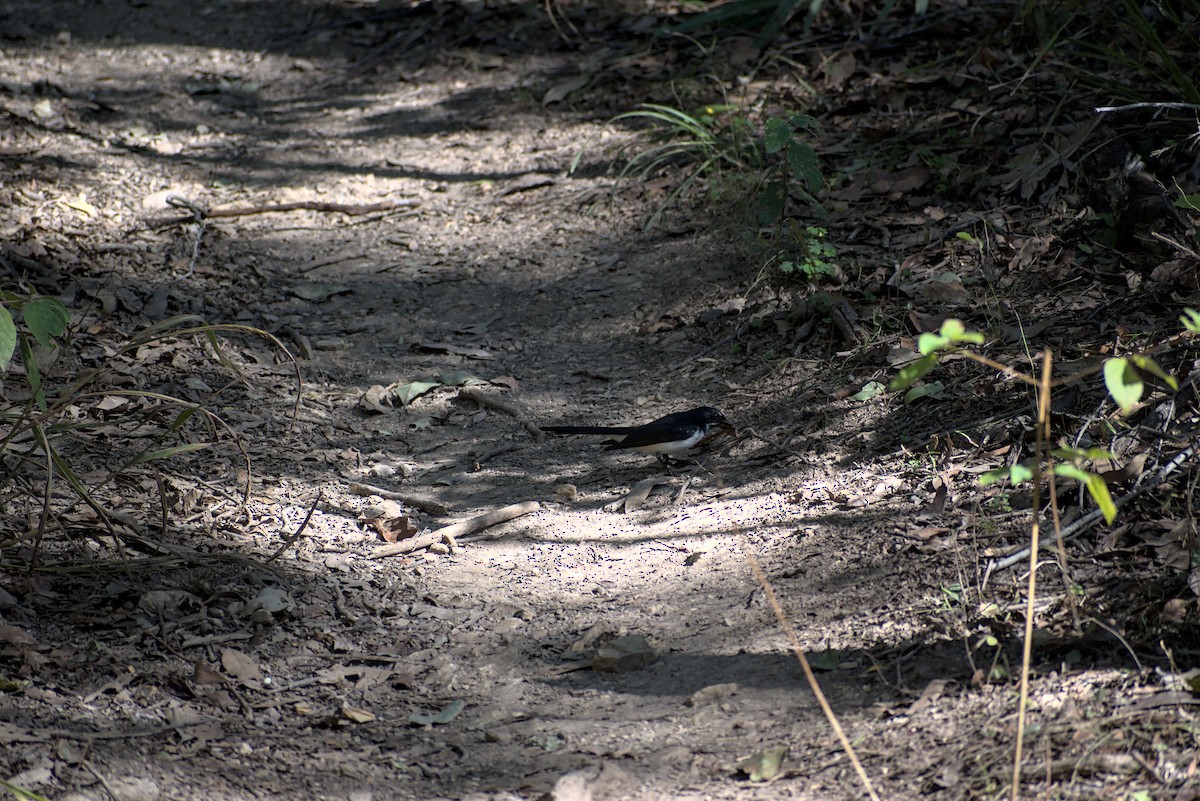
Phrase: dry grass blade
(1043, 456)
(811, 677)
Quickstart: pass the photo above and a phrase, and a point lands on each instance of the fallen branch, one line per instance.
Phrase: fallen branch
(1094, 516)
(350, 209)
(454, 531)
(415, 501)
(492, 402)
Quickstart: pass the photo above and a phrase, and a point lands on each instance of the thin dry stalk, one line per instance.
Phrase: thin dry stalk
(811, 677)
(1041, 456)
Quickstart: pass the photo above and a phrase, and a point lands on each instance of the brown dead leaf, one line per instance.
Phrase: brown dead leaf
(357, 715)
(15, 636)
(203, 674)
(933, 691)
(241, 666)
(397, 528)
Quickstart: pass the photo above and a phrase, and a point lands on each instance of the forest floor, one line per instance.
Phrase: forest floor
(460, 265)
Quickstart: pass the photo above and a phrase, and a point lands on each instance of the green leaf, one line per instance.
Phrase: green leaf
(1020, 473)
(460, 378)
(1124, 383)
(951, 333)
(824, 660)
(924, 391)
(803, 122)
(911, 372)
(8, 338)
(802, 160)
(777, 134)
(1088, 454)
(1015, 474)
(32, 374)
(46, 318)
(929, 342)
(1095, 486)
(771, 202)
(167, 453)
(869, 390)
(1146, 364)
(407, 393)
(1191, 320)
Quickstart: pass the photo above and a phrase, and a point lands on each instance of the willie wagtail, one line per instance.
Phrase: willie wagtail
(665, 437)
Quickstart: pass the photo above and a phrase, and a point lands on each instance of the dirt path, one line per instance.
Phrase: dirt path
(194, 673)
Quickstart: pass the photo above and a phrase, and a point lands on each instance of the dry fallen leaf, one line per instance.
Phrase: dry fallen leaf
(241, 666)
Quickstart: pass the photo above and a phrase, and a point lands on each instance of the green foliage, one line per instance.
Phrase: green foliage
(45, 318)
(1154, 42)
(1068, 466)
(711, 138)
(56, 412)
(19, 793)
(720, 137)
(947, 339)
(812, 261)
(1123, 376)
(800, 171)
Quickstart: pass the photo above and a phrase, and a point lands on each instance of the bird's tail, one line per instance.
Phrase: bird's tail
(585, 430)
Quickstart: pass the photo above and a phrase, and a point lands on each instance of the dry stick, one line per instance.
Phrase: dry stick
(415, 501)
(778, 446)
(198, 215)
(492, 402)
(303, 525)
(352, 209)
(456, 530)
(1083, 523)
(1040, 451)
(810, 676)
(176, 201)
(1134, 106)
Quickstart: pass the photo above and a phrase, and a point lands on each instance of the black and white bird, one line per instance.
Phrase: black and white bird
(667, 437)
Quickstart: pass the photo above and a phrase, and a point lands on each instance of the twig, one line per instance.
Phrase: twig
(751, 433)
(729, 340)
(811, 677)
(1041, 452)
(87, 737)
(1083, 523)
(198, 214)
(303, 525)
(351, 209)
(424, 504)
(456, 530)
(492, 402)
(1136, 106)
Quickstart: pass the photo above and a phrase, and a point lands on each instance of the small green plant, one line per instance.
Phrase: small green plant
(812, 261)
(1123, 376)
(37, 446)
(45, 318)
(799, 170)
(719, 137)
(712, 138)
